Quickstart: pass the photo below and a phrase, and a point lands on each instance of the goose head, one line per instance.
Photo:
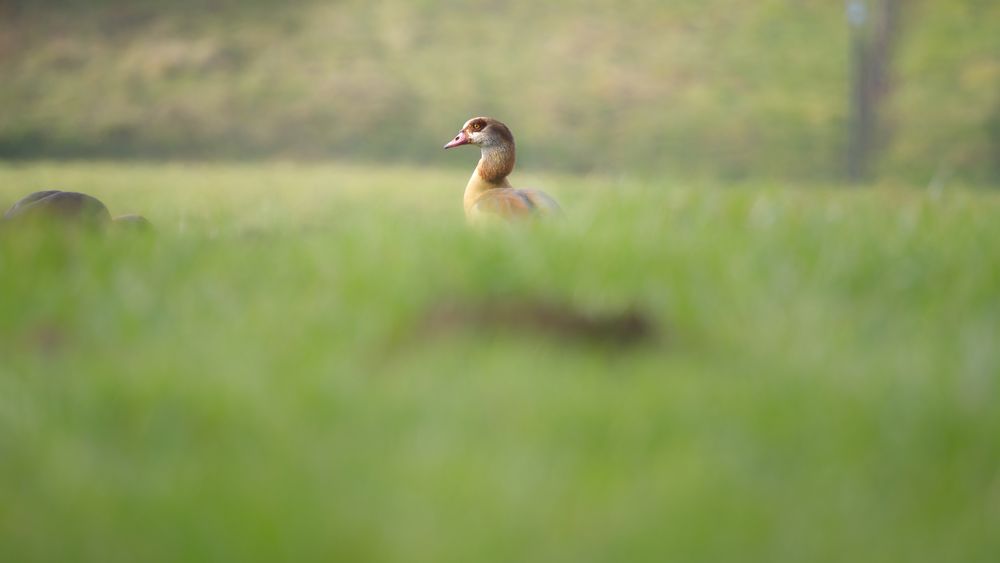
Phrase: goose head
(482, 132)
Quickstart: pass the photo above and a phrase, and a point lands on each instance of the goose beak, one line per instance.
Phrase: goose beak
(460, 139)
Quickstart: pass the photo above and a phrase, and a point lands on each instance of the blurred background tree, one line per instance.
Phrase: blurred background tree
(874, 29)
(718, 88)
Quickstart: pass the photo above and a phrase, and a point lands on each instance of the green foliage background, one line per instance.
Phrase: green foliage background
(722, 88)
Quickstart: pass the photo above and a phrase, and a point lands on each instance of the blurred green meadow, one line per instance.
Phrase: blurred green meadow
(719, 353)
(259, 380)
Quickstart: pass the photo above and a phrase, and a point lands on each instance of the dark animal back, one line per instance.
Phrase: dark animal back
(61, 206)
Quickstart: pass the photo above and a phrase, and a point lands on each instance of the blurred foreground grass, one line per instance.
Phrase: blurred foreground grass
(256, 382)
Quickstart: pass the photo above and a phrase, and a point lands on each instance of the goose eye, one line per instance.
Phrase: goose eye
(477, 126)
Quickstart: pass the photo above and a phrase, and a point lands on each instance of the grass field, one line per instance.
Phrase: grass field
(271, 377)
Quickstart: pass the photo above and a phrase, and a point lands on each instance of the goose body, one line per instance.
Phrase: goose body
(73, 208)
(489, 192)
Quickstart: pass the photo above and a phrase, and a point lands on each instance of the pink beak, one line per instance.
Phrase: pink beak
(460, 139)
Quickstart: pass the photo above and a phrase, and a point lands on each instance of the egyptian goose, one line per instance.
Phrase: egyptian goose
(488, 191)
(68, 208)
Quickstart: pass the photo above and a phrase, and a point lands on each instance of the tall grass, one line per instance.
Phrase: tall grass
(258, 381)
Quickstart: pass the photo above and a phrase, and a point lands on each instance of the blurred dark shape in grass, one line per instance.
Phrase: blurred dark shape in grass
(541, 318)
(55, 205)
(49, 210)
(691, 88)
